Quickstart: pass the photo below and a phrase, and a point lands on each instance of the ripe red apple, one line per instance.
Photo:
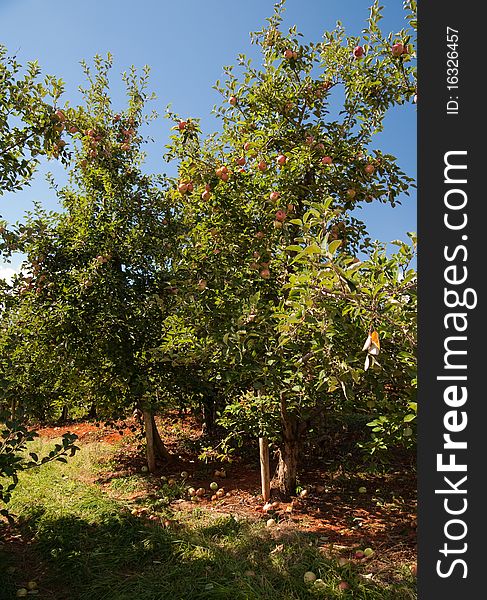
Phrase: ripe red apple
(358, 51)
(398, 50)
(310, 139)
(262, 165)
(90, 132)
(242, 170)
(274, 196)
(343, 585)
(281, 215)
(182, 125)
(320, 146)
(206, 195)
(369, 169)
(61, 143)
(224, 176)
(60, 116)
(254, 266)
(265, 273)
(281, 160)
(207, 187)
(288, 54)
(233, 100)
(116, 118)
(260, 235)
(190, 186)
(295, 55)
(73, 129)
(326, 160)
(247, 146)
(182, 188)
(240, 161)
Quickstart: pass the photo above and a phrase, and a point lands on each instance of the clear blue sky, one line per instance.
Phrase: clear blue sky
(186, 43)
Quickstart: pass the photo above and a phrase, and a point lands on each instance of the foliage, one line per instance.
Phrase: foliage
(14, 458)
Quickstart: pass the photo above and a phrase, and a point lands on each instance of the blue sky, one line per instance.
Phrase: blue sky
(186, 43)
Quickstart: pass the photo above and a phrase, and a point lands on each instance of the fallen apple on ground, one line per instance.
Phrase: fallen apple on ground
(309, 577)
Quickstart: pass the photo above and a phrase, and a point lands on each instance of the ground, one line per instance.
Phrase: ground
(101, 528)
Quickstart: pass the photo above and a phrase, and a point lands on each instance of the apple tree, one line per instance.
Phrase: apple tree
(270, 225)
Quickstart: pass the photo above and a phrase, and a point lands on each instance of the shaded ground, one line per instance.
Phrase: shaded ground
(102, 529)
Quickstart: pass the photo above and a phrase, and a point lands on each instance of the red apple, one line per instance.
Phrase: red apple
(73, 129)
(281, 160)
(240, 161)
(190, 186)
(247, 146)
(116, 118)
(182, 125)
(265, 273)
(326, 160)
(90, 132)
(281, 215)
(310, 139)
(358, 51)
(206, 195)
(262, 166)
(343, 585)
(233, 100)
(260, 235)
(274, 196)
(60, 116)
(295, 55)
(182, 188)
(369, 169)
(288, 54)
(224, 176)
(398, 50)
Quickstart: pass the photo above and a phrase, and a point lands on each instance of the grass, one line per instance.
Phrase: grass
(87, 545)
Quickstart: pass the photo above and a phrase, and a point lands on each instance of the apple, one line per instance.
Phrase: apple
(182, 125)
(270, 523)
(73, 129)
(125, 146)
(408, 432)
(260, 235)
(281, 215)
(274, 196)
(351, 193)
(182, 188)
(309, 139)
(247, 146)
(414, 569)
(309, 577)
(262, 165)
(200, 492)
(61, 143)
(326, 160)
(362, 490)
(369, 169)
(368, 552)
(192, 491)
(319, 584)
(320, 146)
(288, 54)
(265, 273)
(359, 554)
(358, 51)
(171, 482)
(21, 593)
(144, 469)
(398, 49)
(254, 266)
(240, 161)
(90, 132)
(116, 118)
(233, 100)
(295, 55)
(207, 187)
(281, 160)
(60, 116)
(277, 225)
(190, 186)
(206, 195)
(32, 585)
(343, 585)
(303, 493)
(213, 486)
(224, 176)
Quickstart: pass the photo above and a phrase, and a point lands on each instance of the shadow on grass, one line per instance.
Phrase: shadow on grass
(123, 557)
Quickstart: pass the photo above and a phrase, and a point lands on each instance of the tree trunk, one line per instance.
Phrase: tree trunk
(208, 406)
(284, 481)
(92, 414)
(160, 448)
(265, 477)
(64, 415)
(149, 439)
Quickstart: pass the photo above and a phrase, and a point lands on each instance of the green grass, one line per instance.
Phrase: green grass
(88, 546)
